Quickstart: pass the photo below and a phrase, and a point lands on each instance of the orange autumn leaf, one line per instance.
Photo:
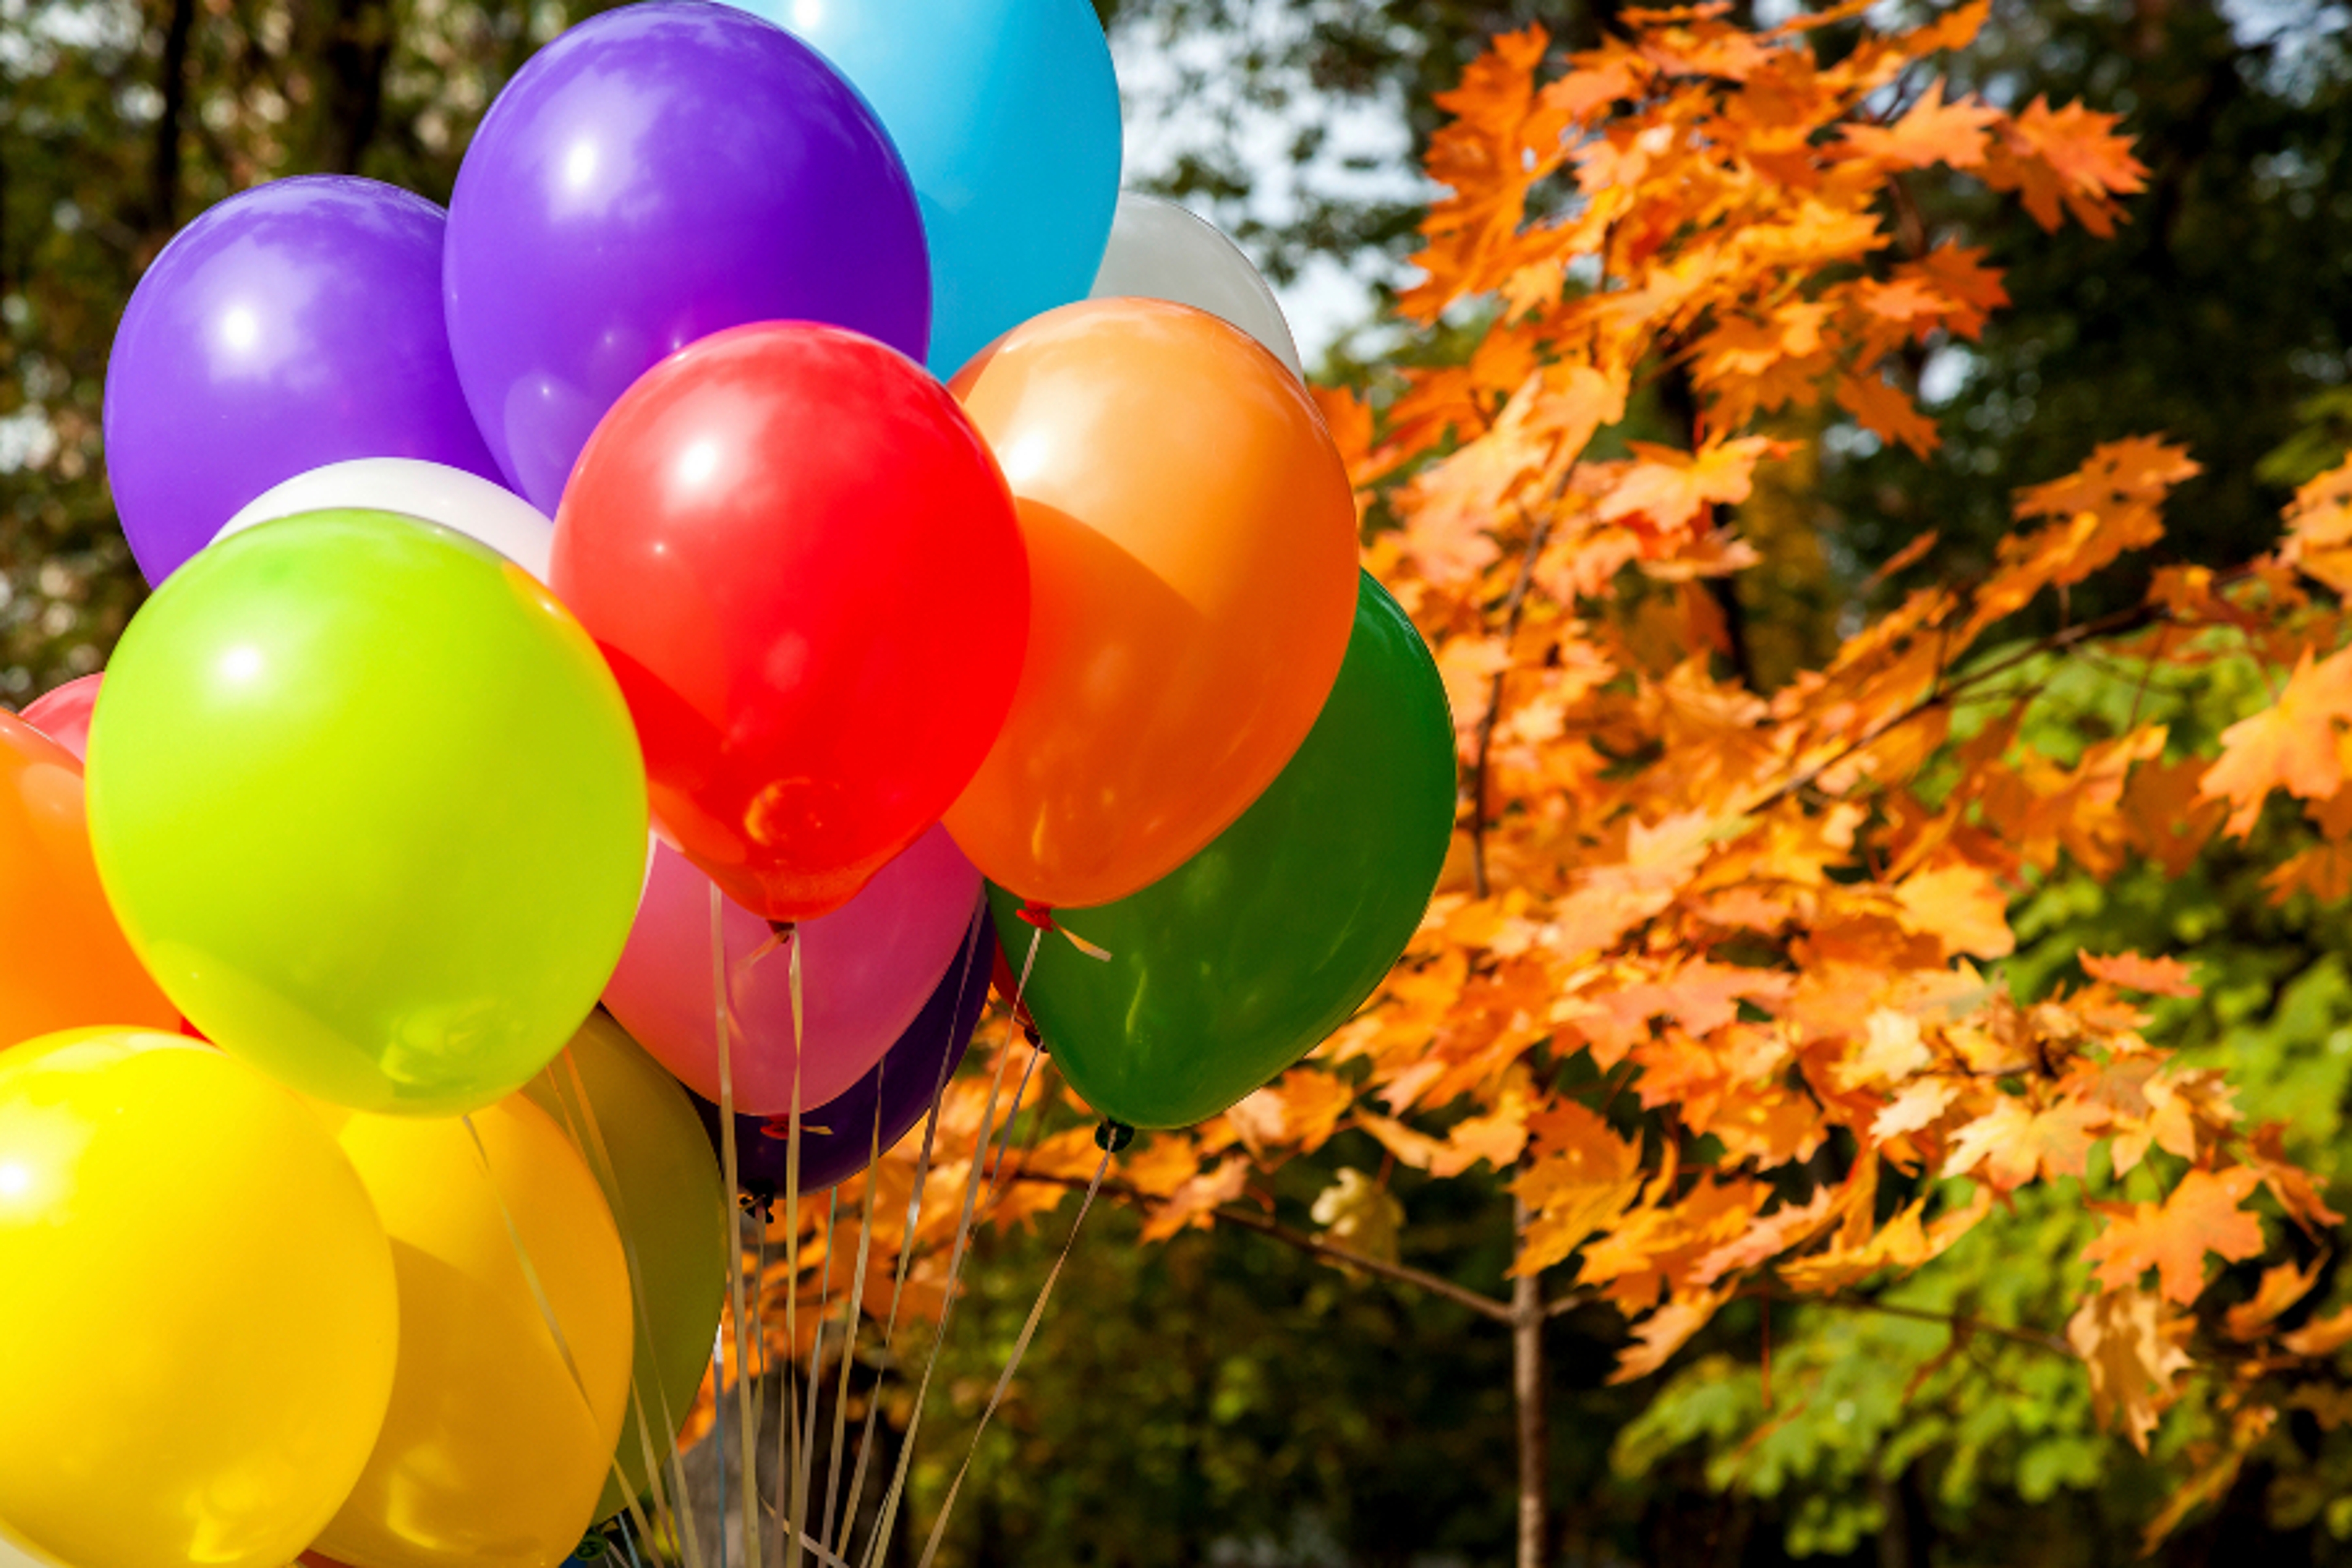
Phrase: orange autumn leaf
(2282, 1287)
(2201, 1216)
(2156, 976)
(1962, 906)
(2132, 1348)
(1669, 489)
(1930, 132)
(2296, 744)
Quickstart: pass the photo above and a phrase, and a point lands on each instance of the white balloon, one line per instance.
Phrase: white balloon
(453, 498)
(1160, 251)
(12, 1556)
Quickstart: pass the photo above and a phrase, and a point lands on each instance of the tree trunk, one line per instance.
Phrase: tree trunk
(164, 166)
(355, 53)
(1528, 1384)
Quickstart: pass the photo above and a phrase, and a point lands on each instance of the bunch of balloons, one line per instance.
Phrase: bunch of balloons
(593, 593)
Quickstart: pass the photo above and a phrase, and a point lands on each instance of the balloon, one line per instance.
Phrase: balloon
(837, 1137)
(198, 1327)
(468, 503)
(63, 714)
(295, 324)
(1160, 251)
(864, 971)
(370, 808)
(1192, 564)
(639, 1133)
(1233, 966)
(492, 1454)
(801, 563)
(655, 175)
(65, 964)
(1006, 112)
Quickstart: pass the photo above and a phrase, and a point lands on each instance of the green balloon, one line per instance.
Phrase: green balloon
(368, 806)
(640, 1135)
(1239, 961)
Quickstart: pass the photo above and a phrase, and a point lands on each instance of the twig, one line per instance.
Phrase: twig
(2037, 1338)
(1513, 607)
(1403, 1274)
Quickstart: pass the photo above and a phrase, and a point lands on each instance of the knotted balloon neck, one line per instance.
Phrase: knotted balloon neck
(1113, 1136)
(1039, 914)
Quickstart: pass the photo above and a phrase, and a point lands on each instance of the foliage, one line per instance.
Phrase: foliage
(1709, 976)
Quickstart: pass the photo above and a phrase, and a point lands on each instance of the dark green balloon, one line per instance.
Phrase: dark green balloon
(1239, 961)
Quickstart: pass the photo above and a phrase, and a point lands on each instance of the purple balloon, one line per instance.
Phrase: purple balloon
(660, 172)
(903, 1082)
(294, 325)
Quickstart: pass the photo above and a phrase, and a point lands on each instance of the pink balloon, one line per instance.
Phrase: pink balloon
(63, 715)
(866, 970)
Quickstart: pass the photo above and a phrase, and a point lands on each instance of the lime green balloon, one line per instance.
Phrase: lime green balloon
(368, 806)
(1242, 960)
(640, 1135)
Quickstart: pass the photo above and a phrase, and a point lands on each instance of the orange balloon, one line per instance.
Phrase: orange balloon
(1193, 545)
(69, 966)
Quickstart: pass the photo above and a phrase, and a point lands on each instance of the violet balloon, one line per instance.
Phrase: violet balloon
(837, 1137)
(294, 325)
(657, 174)
(866, 970)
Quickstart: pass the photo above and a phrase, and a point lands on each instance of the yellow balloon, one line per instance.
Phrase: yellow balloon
(197, 1316)
(493, 1452)
(640, 1135)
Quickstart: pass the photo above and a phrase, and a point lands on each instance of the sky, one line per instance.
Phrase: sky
(1367, 155)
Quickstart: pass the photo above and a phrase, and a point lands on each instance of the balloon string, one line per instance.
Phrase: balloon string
(718, 1429)
(675, 1499)
(580, 1123)
(798, 1516)
(852, 1306)
(805, 1457)
(1028, 1144)
(895, 1492)
(1012, 1119)
(914, 1219)
(1012, 1363)
(538, 1286)
(759, 1353)
(744, 1412)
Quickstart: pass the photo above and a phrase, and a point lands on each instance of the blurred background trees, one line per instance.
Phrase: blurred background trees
(1222, 1398)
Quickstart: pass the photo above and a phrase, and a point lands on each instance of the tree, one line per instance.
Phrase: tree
(1710, 976)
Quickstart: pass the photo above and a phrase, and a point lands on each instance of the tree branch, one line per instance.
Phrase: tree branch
(1514, 607)
(1403, 1274)
(1958, 1321)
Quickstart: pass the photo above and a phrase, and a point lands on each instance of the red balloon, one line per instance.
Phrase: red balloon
(804, 566)
(63, 715)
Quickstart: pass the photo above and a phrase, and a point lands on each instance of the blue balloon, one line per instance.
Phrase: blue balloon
(1006, 114)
